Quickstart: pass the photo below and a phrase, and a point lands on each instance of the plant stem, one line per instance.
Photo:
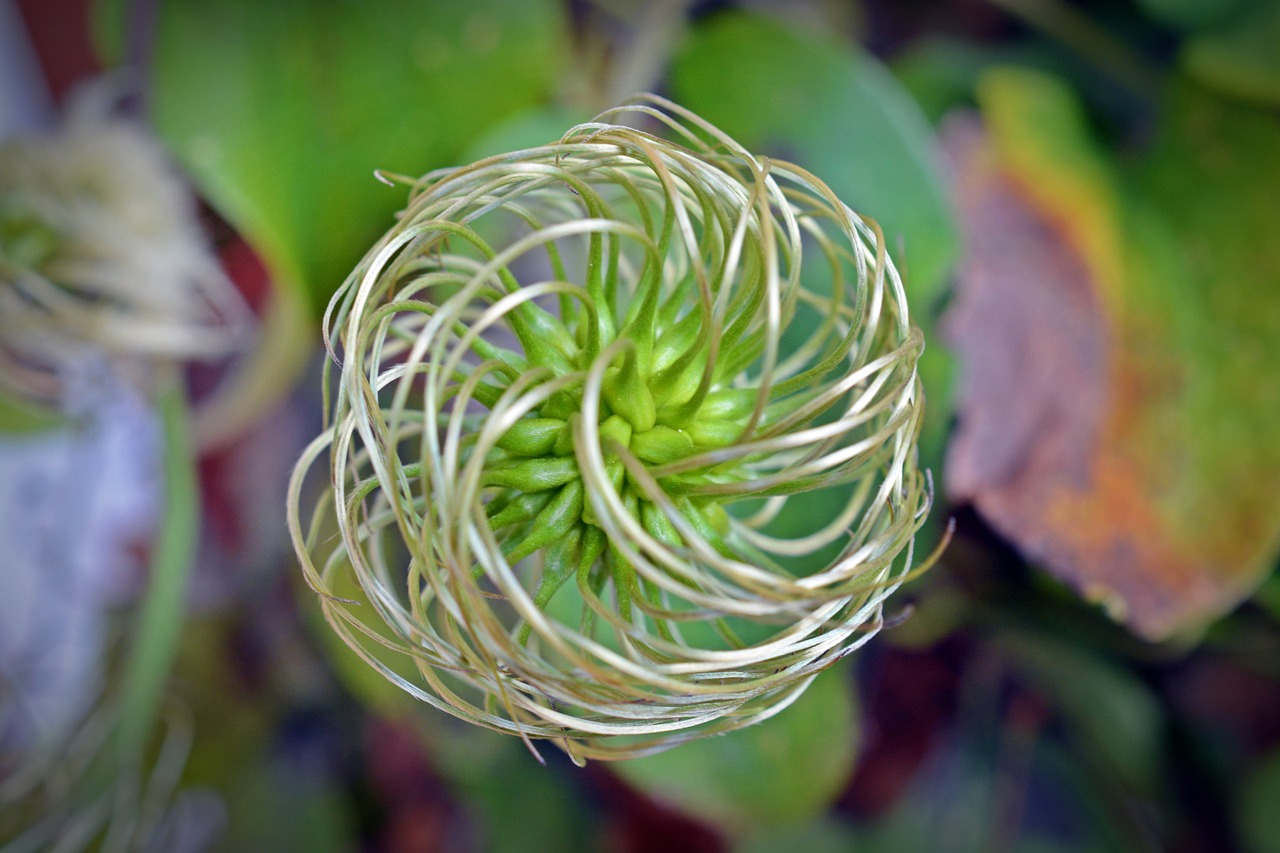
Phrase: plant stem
(160, 621)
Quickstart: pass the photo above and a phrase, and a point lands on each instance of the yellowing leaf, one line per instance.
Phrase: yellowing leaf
(1119, 334)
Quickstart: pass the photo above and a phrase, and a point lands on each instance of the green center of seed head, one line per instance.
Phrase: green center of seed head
(656, 405)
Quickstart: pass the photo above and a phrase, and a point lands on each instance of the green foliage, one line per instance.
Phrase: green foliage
(1191, 14)
(516, 805)
(281, 111)
(163, 611)
(19, 417)
(527, 129)
(1256, 812)
(835, 110)
(1240, 56)
(782, 771)
(287, 812)
(1114, 718)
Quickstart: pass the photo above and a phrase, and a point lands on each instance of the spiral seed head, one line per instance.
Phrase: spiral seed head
(582, 390)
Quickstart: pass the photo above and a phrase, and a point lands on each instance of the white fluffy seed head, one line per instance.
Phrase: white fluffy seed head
(102, 255)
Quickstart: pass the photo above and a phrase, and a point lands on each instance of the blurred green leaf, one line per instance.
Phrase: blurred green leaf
(480, 767)
(162, 614)
(517, 804)
(819, 836)
(529, 129)
(1214, 177)
(366, 683)
(273, 807)
(1242, 56)
(940, 73)
(784, 770)
(281, 111)
(1268, 595)
(838, 113)
(1191, 14)
(1257, 815)
(1115, 718)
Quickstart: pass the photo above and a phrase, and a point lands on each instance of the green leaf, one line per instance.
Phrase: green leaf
(1242, 56)
(1191, 14)
(365, 682)
(282, 111)
(530, 129)
(1255, 806)
(784, 770)
(517, 805)
(1213, 177)
(270, 806)
(819, 836)
(940, 73)
(1268, 595)
(1115, 719)
(481, 768)
(835, 111)
(163, 612)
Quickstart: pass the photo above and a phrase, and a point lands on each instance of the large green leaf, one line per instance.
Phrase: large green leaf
(838, 113)
(1111, 716)
(784, 770)
(282, 111)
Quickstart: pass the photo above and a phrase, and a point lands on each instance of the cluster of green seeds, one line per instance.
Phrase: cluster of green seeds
(622, 447)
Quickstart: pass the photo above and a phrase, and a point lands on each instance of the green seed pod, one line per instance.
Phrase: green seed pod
(565, 489)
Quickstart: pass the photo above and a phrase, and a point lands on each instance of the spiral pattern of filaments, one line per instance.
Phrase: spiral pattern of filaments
(622, 442)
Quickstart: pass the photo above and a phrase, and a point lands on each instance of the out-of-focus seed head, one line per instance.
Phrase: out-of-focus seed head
(101, 255)
(587, 394)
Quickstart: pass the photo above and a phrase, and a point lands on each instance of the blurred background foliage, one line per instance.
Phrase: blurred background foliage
(1083, 197)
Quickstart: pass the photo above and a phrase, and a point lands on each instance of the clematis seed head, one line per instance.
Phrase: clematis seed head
(622, 442)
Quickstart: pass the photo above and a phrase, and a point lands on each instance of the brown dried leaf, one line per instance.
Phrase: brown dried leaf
(1109, 423)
